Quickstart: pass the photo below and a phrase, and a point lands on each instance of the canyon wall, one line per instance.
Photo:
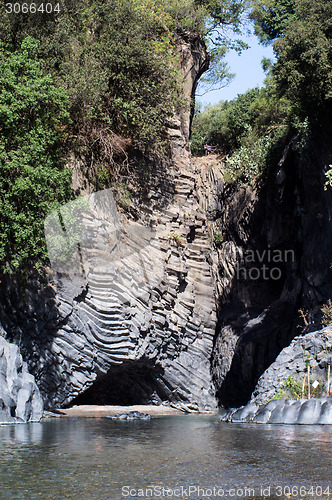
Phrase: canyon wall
(129, 317)
(273, 268)
(184, 292)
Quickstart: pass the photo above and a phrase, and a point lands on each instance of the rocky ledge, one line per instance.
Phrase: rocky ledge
(302, 411)
(307, 359)
(20, 400)
(302, 369)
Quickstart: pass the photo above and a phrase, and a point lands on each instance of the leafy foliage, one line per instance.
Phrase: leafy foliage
(297, 389)
(218, 238)
(225, 13)
(218, 74)
(118, 59)
(100, 76)
(34, 116)
(303, 70)
(328, 175)
(249, 161)
(327, 313)
(249, 129)
(271, 17)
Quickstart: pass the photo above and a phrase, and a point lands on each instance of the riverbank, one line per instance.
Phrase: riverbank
(111, 410)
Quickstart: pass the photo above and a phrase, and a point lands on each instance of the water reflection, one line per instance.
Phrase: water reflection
(31, 433)
(93, 458)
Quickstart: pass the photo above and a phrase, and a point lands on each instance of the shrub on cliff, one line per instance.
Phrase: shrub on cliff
(110, 66)
(33, 116)
(119, 59)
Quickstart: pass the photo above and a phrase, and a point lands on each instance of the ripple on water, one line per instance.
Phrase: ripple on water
(92, 459)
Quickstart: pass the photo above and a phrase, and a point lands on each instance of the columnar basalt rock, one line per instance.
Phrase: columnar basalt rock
(304, 363)
(303, 411)
(162, 288)
(312, 351)
(150, 334)
(141, 332)
(141, 329)
(20, 400)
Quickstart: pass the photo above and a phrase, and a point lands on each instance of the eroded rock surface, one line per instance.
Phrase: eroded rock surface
(139, 329)
(146, 326)
(20, 400)
(302, 411)
(307, 358)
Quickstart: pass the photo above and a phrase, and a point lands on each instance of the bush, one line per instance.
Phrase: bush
(295, 389)
(328, 176)
(33, 181)
(218, 238)
(249, 117)
(223, 124)
(249, 161)
(327, 313)
(119, 59)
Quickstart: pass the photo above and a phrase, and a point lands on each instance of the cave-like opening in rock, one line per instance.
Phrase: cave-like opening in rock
(131, 383)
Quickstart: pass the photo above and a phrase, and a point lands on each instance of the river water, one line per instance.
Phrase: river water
(167, 457)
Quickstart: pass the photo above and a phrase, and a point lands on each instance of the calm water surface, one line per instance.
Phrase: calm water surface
(102, 459)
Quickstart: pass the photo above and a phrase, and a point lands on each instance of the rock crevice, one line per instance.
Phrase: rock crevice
(282, 229)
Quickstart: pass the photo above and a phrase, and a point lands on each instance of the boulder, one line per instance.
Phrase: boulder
(20, 400)
(314, 347)
(132, 415)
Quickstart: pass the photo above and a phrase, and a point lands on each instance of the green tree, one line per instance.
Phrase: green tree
(218, 74)
(114, 68)
(33, 182)
(303, 70)
(119, 61)
(271, 17)
(223, 14)
(302, 30)
(250, 129)
(251, 115)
